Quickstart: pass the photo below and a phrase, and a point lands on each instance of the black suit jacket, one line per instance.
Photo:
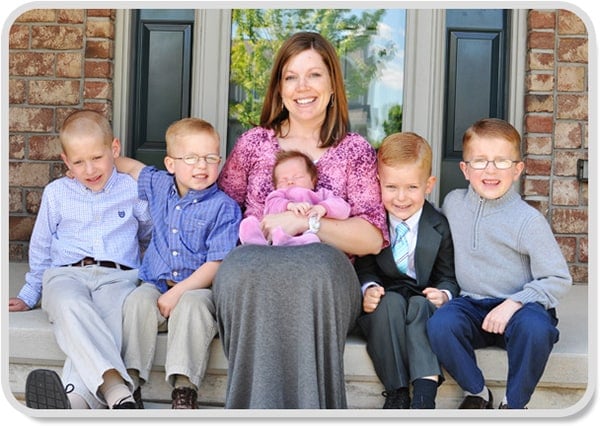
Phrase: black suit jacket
(434, 260)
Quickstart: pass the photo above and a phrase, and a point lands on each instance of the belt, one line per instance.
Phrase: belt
(86, 261)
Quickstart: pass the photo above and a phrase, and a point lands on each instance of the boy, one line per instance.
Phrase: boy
(196, 225)
(510, 270)
(83, 256)
(405, 283)
(294, 178)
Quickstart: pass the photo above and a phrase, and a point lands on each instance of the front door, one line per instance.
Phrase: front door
(476, 81)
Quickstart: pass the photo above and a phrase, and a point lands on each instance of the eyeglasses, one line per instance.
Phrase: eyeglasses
(501, 164)
(192, 159)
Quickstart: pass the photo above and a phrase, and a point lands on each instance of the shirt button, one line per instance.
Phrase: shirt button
(174, 253)
(174, 230)
(177, 207)
(175, 273)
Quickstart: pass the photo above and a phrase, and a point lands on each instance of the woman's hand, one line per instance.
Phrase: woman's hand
(291, 223)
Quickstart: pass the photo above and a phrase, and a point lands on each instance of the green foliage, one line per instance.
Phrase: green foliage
(258, 34)
(393, 124)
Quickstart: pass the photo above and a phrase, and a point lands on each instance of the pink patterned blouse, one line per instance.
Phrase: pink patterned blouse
(349, 169)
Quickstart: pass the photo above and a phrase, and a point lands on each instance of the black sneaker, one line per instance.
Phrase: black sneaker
(125, 404)
(396, 399)
(44, 390)
(137, 396)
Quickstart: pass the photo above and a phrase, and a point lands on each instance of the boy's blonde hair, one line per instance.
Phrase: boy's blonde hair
(86, 122)
(405, 148)
(493, 128)
(185, 126)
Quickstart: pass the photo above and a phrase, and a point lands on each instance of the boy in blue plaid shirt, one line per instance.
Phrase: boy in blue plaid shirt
(196, 225)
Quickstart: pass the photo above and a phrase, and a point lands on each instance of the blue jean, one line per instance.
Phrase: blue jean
(455, 332)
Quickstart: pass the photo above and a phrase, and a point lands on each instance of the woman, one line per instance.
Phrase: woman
(284, 312)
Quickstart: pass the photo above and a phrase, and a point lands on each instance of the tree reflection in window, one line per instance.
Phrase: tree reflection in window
(369, 42)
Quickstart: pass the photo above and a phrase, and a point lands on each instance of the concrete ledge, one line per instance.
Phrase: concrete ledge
(32, 345)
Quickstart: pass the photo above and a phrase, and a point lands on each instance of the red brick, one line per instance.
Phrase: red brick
(38, 15)
(22, 119)
(20, 227)
(570, 23)
(98, 49)
(54, 92)
(57, 37)
(69, 65)
(18, 37)
(540, 61)
(565, 192)
(71, 16)
(565, 162)
(568, 246)
(536, 187)
(28, 174)
(573, 107)
(541, 40)
(573, 50)
(539, 103)
(31, 64)
(16, 91)
(44, 148)
(538, 123)
(538, 82)
(542, 19)
(568, 134)
(538, 166)
(571, 79)
(569, 221)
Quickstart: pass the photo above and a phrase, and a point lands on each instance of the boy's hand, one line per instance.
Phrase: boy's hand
(495, 321)
(15, 305)
(372, 298)
(435, 296)
(168, 300)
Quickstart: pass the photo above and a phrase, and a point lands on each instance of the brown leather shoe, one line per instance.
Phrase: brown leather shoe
(184, 398)
(473, 402)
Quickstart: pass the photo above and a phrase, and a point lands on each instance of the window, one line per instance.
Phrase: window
(370, 44)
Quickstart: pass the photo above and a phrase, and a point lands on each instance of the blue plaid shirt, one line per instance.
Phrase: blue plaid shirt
(74, 222)
(200, 227)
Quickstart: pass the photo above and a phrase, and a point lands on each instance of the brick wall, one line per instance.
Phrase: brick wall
(60, 60)
(556, 129)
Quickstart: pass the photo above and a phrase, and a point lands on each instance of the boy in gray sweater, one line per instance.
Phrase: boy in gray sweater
(510, 269)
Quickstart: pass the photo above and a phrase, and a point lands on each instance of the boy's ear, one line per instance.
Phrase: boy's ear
(465, 169)
(169, 164)
(115, 147)
(431, 180)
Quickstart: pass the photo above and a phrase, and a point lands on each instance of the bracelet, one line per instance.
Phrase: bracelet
(314, 224)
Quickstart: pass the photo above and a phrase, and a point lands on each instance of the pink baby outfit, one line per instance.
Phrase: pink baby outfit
(277, 201)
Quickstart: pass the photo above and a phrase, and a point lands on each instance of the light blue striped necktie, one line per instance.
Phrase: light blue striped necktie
(400, 248)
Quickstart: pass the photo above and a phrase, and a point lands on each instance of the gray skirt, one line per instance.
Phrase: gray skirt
(284, 314)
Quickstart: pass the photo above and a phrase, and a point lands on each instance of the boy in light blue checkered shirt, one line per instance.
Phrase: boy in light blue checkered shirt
(84, 254)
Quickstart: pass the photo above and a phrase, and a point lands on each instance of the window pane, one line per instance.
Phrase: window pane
(370, 44)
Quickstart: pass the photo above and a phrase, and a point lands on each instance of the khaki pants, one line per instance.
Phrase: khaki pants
(84, 305)
(191, 329)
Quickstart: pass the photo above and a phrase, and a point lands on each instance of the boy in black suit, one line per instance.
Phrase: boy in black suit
(406, 282)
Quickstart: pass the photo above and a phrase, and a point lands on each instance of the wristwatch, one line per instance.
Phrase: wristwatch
(314, 224)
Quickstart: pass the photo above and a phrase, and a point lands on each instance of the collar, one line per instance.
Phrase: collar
(412, 222)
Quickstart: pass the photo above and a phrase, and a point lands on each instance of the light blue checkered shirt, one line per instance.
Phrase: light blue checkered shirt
(74, 222)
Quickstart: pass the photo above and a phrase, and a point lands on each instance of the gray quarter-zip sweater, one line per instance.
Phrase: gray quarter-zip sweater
(505, 248)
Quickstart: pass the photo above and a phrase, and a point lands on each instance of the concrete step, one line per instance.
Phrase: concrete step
(563, 386)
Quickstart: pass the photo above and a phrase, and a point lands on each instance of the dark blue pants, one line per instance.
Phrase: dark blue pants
(455, 332)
